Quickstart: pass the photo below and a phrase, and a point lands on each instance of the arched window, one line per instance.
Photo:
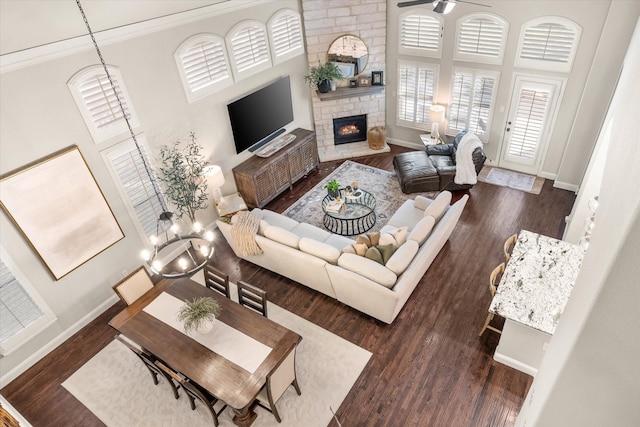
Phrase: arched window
(248, 49)
(98, 104)
(548, 43)
(481, 37)
(203, 65)
(285, 35)
(421, 33)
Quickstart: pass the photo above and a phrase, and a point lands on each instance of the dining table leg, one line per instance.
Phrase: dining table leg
(244, 417)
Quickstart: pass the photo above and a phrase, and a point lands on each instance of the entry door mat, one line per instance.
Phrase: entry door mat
(506, 178)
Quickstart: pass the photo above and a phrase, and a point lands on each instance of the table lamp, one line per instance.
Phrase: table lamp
(436, 115)
(215, 177)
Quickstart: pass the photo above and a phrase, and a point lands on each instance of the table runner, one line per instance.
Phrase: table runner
(226, 341)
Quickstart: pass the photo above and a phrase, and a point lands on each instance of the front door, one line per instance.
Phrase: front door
(529, 124)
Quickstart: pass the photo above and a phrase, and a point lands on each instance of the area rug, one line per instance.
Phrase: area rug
(382, 184)
(506, 178)
(118, 389)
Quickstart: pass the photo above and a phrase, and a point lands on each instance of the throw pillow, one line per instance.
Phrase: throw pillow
(363, 240)
(373, 253)
(349, 249)
(386, 251)
(400, 234)
(422, 230)
(319, 249)
(421, 202)
(360, 248)
(401, 258)
(439, 205)
(374, 237)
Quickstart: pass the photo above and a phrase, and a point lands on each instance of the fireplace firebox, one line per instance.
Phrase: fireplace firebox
(350, 129)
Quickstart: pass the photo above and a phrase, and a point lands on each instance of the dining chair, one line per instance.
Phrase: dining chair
(149, 361)
(277, 384)
(252, 297)
(217, 280)
(498, 271)
(194, 391)
(133, 286)
(508, 247)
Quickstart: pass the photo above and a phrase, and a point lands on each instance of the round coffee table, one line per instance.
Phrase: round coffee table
(355, 217)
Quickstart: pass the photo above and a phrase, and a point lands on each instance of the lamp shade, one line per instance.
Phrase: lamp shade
(214, 175)
(436, 113)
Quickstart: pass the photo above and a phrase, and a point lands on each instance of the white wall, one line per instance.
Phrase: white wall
(38, 116)
(586, 77)
(590, 375)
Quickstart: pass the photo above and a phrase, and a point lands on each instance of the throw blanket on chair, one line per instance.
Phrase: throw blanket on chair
(465, 168)
(244, 228)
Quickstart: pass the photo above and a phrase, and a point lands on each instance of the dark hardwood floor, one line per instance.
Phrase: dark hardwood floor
(429, 368)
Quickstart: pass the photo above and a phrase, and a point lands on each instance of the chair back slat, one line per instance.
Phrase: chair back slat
(497, 272)
(508, 247)
(252, 297)
(217, 280)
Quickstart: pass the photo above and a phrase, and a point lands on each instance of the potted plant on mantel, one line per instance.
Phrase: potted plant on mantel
(322, 75)
(199, 315)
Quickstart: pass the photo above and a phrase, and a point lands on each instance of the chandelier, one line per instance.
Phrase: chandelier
(195, 245)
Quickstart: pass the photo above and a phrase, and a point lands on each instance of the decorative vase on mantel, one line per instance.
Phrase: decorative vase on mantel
(324, 86)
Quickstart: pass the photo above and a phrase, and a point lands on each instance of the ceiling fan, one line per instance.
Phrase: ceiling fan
(439, 6)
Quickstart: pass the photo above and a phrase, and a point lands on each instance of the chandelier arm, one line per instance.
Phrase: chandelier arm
(145, 163)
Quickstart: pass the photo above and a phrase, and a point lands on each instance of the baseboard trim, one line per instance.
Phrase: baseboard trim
(47, 348)
(515, 364)
(565, 186)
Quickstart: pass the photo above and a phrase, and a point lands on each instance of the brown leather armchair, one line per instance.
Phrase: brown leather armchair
(443, 158)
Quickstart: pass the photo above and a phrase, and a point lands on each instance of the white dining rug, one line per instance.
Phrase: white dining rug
(118, 389)
(506, 178)
(382, 184)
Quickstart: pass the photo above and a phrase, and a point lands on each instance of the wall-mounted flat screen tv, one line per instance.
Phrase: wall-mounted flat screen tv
(260, 116)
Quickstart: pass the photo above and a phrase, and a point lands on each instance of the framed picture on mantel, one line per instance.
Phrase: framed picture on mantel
(376, 78)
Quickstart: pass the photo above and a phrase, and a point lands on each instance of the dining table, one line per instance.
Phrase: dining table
(531, 296)
(232, 362)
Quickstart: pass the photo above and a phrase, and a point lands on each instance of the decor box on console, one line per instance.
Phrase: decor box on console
(325, 262)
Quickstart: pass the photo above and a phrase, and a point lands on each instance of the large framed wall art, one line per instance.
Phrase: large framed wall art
(58, 207)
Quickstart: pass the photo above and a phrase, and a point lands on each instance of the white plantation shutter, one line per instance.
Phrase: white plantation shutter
(203, 65)
(481, 38)
(527, 126)
(548, 43)
(248, 48)
(98, 104)
(420, 34)
(21, 315)
(285, 35)
(136, 185)
(471, 101)
(416, 91)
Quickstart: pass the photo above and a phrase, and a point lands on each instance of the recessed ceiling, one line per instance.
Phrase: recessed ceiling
(26, 24)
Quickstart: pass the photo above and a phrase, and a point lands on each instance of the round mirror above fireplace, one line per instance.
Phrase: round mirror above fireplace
(350, 54)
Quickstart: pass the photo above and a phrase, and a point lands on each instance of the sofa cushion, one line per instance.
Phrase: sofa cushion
(422, 230)
(348, 250)
(319, 249)
(402, 257)
(338, 241)
(281, 235)
(421, 202)
(278, 220)
(263, 224)
(311, 231)
(439, 205)
(407, 214)
(369, 269)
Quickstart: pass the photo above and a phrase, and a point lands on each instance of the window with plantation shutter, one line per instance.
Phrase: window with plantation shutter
(248, 48)
(285, 35)
(548, 43)
(481, 37)
(138, 185)
(23, 314)
(98, 104)
(421, 33)
(471, 101)
(203, 65)
(416, 91)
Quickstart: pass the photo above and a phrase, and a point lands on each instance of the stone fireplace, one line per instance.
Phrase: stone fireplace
(365, 19)
(350, 129)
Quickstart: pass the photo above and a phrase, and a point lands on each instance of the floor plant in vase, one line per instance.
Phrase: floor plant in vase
(199, 315)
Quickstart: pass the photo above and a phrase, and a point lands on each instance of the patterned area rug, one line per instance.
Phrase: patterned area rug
(505, 178)
(118, 389)
(382, 184)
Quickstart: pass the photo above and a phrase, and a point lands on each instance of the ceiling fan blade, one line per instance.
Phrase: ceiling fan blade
(414, 3)
(470, 2)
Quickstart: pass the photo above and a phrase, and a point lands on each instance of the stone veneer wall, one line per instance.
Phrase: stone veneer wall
(325, 21)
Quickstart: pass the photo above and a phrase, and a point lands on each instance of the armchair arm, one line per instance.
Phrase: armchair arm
(440, 150)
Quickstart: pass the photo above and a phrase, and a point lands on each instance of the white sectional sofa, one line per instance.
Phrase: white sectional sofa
(313, 256)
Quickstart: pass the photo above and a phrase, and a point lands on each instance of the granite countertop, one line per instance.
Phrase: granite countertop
(538, 280)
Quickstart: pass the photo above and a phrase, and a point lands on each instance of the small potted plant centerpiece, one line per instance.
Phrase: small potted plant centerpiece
(322, 75)
(199, 315)
(332, 188)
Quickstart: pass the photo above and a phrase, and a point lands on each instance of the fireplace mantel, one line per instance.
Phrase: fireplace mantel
(349, 92)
